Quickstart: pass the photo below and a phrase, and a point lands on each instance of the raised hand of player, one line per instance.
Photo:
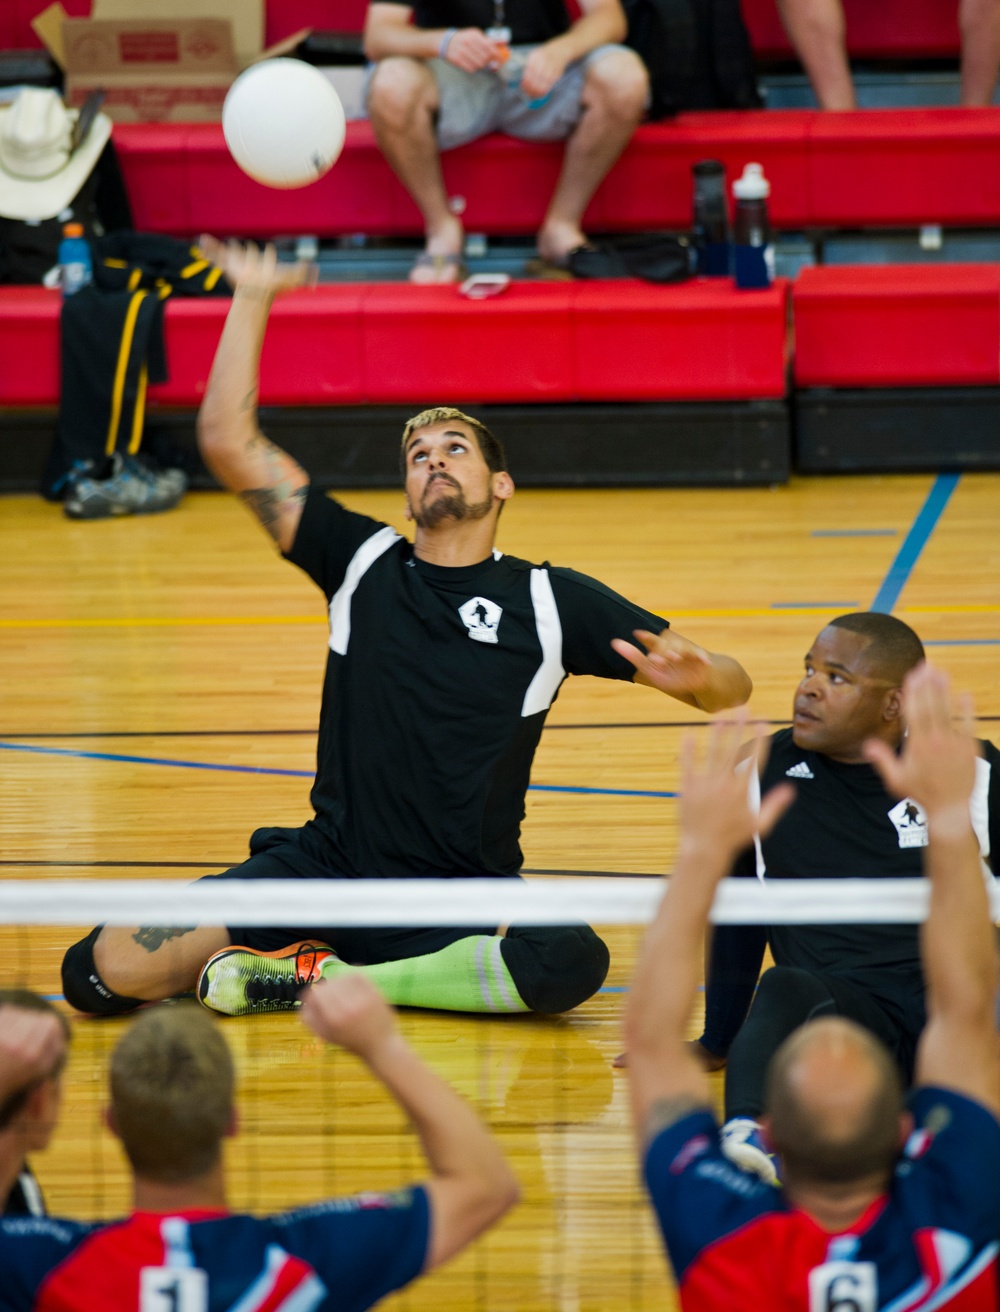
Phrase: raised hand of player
(937, 766)
(32, 1045)
(349, 1011)
(715, 812)
(670, 662)
(254, 269)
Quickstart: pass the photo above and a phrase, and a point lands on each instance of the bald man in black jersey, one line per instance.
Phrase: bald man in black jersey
(843, 824)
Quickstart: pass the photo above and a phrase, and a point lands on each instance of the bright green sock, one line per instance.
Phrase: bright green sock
(468, 975)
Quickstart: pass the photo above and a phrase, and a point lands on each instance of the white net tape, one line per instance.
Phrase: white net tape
(414, 902)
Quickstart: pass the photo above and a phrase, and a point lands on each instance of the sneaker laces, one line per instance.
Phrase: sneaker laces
(273, 988)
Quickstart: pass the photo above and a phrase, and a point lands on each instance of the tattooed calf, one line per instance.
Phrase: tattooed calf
(152, 938)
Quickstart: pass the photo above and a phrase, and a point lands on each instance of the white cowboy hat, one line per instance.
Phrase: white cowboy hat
(40, 173)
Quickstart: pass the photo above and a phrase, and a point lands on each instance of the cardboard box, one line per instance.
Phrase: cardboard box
(172, 61)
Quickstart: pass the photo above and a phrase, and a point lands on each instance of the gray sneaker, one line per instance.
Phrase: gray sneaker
(132, 488)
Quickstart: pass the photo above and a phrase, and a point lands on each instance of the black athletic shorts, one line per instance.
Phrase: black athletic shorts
(298, 854)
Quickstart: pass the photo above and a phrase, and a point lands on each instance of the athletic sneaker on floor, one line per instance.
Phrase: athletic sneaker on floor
(131, 488)
(743, 1143)
(241, 982)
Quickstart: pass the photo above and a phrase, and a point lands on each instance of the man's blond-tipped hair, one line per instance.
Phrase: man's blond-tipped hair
(172, 1093)
(489, 444)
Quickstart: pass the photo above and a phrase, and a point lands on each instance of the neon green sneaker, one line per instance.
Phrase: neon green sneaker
(240, 981)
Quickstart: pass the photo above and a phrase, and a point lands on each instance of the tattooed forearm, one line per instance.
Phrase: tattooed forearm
(151, 938)
(249, 402)
(267, 503)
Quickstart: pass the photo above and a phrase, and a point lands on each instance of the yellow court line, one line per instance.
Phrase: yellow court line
(165, 621)
(158, 621)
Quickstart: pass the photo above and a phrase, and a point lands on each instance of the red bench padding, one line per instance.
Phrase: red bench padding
(897, 326)
(382, 343)
(876, 29)
(902, 167)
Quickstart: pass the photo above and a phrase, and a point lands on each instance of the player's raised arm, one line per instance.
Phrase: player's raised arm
(471, 1185)
(667, 1080)
(673, 664)
(234, 449)
(958, 1048)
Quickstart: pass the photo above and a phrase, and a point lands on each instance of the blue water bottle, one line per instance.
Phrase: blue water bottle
(753, 247)
(75, 266)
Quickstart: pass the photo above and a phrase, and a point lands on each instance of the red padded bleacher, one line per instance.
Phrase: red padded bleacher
(382, 343)
(876, 29)
(876, 167)
(897, 326)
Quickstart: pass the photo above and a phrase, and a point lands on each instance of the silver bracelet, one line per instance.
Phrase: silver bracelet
(446, 42)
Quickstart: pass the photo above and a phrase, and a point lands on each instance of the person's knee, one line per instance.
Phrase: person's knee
(83, 985)
(619, 83)
(555, 968)
(787, 997)
(399, 87)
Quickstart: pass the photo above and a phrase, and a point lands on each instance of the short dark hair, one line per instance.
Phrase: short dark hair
(489, 444)
(26, 1000)
(811, 1156)
(893, 645)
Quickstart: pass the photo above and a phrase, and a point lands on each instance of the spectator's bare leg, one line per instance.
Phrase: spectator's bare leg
(402, 103)
(979, 23)
(154, 962)
(817, 30)
(613, 101)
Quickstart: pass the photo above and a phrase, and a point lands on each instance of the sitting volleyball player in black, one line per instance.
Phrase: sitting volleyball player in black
(844, 824)
(445, 656)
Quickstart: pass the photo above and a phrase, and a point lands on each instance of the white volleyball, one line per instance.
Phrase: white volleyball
(283, 123)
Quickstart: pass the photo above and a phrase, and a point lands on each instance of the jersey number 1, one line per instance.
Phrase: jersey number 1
(843, 1287)
(173, 1289)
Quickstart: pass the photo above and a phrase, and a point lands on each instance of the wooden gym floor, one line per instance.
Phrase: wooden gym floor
(134, 652)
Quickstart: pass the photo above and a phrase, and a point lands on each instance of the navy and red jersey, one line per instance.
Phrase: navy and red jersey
(345, 1254)
(737, 1245)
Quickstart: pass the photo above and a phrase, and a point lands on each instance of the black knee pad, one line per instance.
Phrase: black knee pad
(555, 967)
(84, 989)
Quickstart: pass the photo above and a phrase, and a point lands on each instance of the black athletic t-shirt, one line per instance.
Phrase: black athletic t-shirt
(437, 687)
(844, 824)
(530, 21)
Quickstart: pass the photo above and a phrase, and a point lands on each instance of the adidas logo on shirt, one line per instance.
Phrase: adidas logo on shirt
(800, 771)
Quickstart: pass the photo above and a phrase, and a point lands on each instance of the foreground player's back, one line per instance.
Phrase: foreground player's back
(358, 1249)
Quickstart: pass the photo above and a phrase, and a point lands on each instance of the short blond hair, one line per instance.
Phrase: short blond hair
(172, 1085)
(489, 444)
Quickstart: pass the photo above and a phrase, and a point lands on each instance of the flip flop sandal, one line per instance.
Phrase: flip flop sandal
(439, 264)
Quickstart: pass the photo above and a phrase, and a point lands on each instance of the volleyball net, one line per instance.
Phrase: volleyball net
(315, 1123)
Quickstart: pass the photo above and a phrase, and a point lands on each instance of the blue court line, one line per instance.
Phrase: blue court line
(855, 533)
(964, 642)
(914, 542)
(274, 770)
(811, 605)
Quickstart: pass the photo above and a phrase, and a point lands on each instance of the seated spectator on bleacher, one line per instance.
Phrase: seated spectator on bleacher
(817, 30)
(442, 78)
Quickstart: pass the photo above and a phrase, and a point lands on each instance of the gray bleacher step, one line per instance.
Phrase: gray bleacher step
(875, 89)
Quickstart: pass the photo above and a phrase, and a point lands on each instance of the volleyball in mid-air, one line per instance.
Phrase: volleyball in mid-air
(283, 123)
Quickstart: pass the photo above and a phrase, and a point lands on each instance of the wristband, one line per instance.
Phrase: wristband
(446, 42)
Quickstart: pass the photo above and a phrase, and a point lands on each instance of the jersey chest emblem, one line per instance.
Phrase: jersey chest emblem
(910, 822)
(482, 618)
(800, 771)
